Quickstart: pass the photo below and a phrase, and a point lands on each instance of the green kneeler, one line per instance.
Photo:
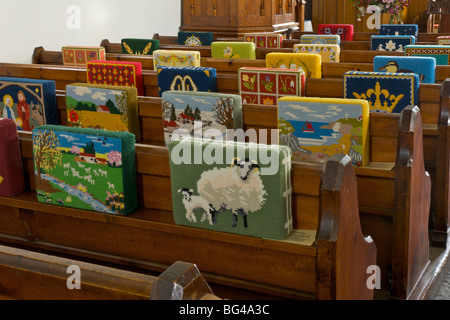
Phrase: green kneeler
(233, 50)
(234, 187)
(86, 169)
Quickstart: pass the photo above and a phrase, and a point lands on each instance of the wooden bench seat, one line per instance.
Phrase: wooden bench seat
(29, 275)
(361, 41)
(330, 264)
(287, 43)
(364, 55)
(384, 149)
(366, 36)
(330, 70)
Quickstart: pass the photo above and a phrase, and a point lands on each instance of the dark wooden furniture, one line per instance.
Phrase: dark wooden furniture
(334, 266)
(380, 209)
(236, 17)
(29, 275)
(432, 101)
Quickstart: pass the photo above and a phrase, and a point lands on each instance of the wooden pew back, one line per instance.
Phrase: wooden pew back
(28, 275)
(296, 270)
(384, 144)
(358, 60)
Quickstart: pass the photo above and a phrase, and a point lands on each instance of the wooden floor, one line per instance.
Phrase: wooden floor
(440, 265)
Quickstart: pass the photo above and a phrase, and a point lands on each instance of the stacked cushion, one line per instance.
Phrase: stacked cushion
(328, 52)
(79, 56)
(112, 108)
(315, 129)
(264, 86)
(187, 79)
(233, 188)
(399, 30)
(85, 168)
(28, 102)
(200, 113)
(175, 58)
(140, 47)
(265, 39)
(391, 43)
(195, 39)
(344, 31)
(385, 92)
(425, 67)
(233, 50)
(311, 63)
(440, 53)
(116, 73)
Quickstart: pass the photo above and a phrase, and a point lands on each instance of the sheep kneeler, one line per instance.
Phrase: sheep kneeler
(205, 196)
(238, 189)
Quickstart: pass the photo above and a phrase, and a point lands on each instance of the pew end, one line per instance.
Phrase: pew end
(440, 220)
(339, 185)
(182, 281)
(411, 220)
(30, 275)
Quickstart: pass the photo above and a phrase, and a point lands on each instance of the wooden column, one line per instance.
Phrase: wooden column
(333, 11)
(301, 5)
(237, 17)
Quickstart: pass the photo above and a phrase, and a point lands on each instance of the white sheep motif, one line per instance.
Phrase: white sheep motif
(193, 202)
(238, 188)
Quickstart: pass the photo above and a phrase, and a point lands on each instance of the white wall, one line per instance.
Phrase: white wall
(26, 24)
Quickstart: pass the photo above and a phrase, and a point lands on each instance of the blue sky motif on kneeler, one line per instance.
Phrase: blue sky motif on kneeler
(425, 67)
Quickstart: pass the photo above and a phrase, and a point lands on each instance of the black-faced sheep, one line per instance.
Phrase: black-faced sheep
(238, 188)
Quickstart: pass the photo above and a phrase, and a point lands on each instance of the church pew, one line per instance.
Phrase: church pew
(353, 55)
(381, 171)
(384, 148)
(172, 41)
(329, 70)
(287, 43)
(366, 36)
(362, 41)
(359, 60)
(42, 56)
(332, 264)
(433, 112)
(205, 51)
(29, 275)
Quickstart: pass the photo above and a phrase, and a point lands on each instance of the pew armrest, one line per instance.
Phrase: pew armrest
(339, 230)
(413, 198)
